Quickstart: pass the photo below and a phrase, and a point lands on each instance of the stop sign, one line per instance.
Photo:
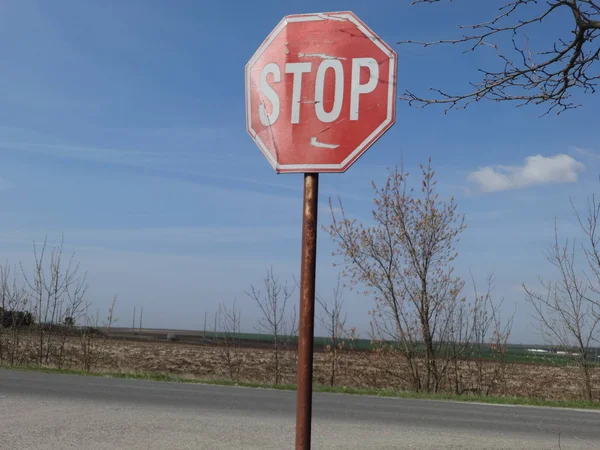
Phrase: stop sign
(319, 91)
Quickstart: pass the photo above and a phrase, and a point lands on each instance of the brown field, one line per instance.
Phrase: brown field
(355, 369)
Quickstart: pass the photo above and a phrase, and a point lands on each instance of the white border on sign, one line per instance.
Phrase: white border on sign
(361, 148)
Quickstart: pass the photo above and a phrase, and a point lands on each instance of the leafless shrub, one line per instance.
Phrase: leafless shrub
(44, 314)
(58, 291)
(568, 63)
(568, 309)
(392, 360)
(210, 334)
(382, 361)
(4, 306)
(16, 318)
(273, 304)
(230, 321)
(483, 339)
(94, 336)
(333, 321)
(500, 333)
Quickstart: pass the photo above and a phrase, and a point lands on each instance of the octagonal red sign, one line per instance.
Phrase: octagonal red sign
(319, 91)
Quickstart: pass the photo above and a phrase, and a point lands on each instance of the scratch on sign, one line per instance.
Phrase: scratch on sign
(318, 55)
(323, 16)
(315, 143)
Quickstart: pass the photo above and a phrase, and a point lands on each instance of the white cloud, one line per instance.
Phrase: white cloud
(536, 170)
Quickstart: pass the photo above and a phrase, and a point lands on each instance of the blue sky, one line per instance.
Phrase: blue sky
(122, 125)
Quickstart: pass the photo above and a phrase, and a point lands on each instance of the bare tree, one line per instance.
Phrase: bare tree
(273, 304)
(16, 318)
(292, 333)
(71, 310)
(58, 291)
(484, 333)
(93, 339)
(566, 63)
(499, 340)
(4, 300)
(209, 335)
(230, 323)
(333, 322)
(46, 306)
(405, 261)
(568, 310)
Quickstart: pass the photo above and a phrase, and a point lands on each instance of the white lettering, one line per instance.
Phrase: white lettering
(297, 69)
(356, 88)
(338, 97)
(269, 93)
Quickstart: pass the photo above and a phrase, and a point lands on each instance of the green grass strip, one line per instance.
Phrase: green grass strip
(519, 401)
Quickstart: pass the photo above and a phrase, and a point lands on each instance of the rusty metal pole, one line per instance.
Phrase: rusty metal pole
(307, 311)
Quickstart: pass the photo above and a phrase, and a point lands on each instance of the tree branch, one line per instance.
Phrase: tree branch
(548, 77)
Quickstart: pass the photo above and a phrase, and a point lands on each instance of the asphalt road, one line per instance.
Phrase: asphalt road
(43, 411)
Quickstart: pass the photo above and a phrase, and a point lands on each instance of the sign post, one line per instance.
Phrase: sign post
(320, 90)
(307, 310)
